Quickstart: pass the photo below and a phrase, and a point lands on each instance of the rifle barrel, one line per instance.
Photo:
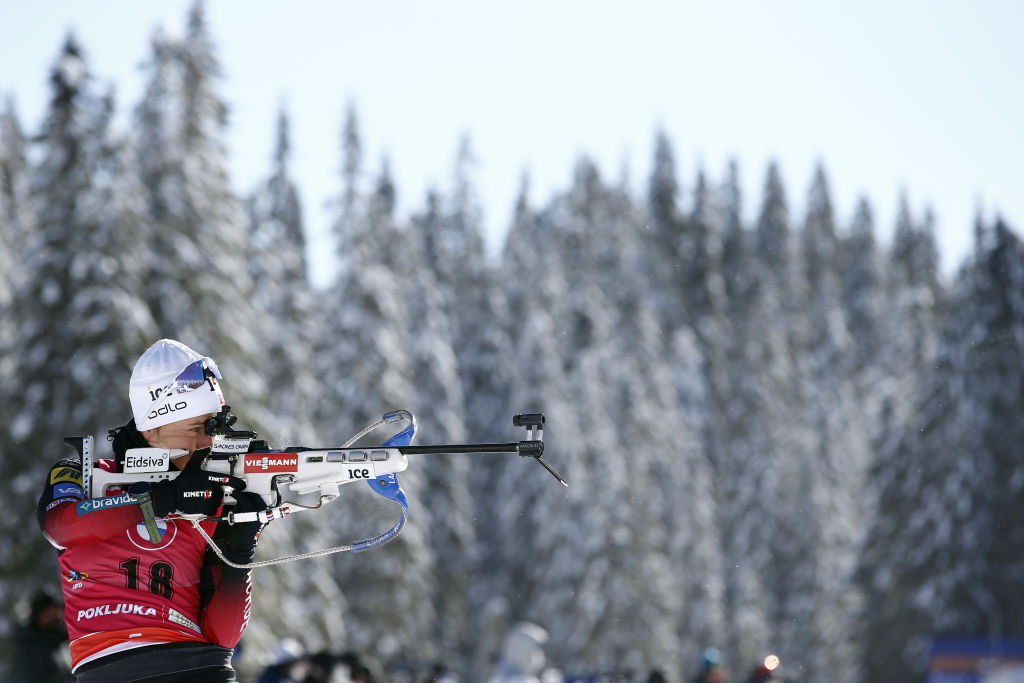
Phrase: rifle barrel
(461, 448)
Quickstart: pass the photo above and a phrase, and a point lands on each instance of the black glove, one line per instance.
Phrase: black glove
(241, 537)
(193, 492)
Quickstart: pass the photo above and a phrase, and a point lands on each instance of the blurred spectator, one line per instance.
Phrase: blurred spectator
(522, 655)
(361, 673)
(287, 664)
(766, 671)
(440, 674)
(656, 676)
(320, 667)
(39, 654)
(360, 669)
(712, 667)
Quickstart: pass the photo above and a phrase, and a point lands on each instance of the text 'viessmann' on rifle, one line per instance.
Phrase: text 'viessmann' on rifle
(288, 481)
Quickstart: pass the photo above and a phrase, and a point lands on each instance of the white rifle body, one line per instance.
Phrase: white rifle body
(302, 477)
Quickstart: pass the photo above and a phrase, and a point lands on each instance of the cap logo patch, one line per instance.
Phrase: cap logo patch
(167, 408)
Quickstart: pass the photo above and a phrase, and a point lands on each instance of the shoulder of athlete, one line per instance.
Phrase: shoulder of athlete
(64, 481)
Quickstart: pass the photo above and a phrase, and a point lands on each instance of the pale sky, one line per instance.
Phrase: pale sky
(891, 95)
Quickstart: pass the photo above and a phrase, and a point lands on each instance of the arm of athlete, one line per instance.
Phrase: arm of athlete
(62, 524)
(57, 512)
(226, 591)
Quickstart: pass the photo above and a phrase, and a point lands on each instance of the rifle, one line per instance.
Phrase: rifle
(290, 480)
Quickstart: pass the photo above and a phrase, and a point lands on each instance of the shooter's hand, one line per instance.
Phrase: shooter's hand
(242, 536)
(193, 492)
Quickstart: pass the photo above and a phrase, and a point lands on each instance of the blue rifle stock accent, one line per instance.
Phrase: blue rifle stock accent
(388, 487)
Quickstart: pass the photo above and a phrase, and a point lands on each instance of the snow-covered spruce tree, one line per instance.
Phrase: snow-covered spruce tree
(685, 434)
(6, 289)
(446, 253)
(943, 555)
(703, 288)
(733, 274)
(824, 511)
(757, 466)
(902, 378)
(662, 237)
(6, 332)
(199, 289)
(16, 221)
(350, 203)
(663, 193)
(860, 268)
(700, 253)
(698, 353)
(364, 364)
(585, 535)
(915, 294)
(685, 474)
(495, 376)
(907, 550)
(682, 250)
(340, 412)
(452, 235)
(735, 238)
(474, 298)
(526, 501)
(819, 239)
(662, 408)
(17, 218)
(17, 215)
(363, 359)
(995, 368)
(283, 301)
(454, 247)
(775, 246)
(79, 321)
(447, 499)
(593, 241)
(282, 294)
(862, 283)
(536, 515)
(484, 353)
(438, 403)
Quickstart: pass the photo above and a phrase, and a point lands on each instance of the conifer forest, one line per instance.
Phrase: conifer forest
(781, 435)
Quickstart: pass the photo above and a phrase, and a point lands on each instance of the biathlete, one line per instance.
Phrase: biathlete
(157, 611)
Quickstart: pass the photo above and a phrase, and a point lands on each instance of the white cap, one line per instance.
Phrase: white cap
(157, 368)
(523, 650)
